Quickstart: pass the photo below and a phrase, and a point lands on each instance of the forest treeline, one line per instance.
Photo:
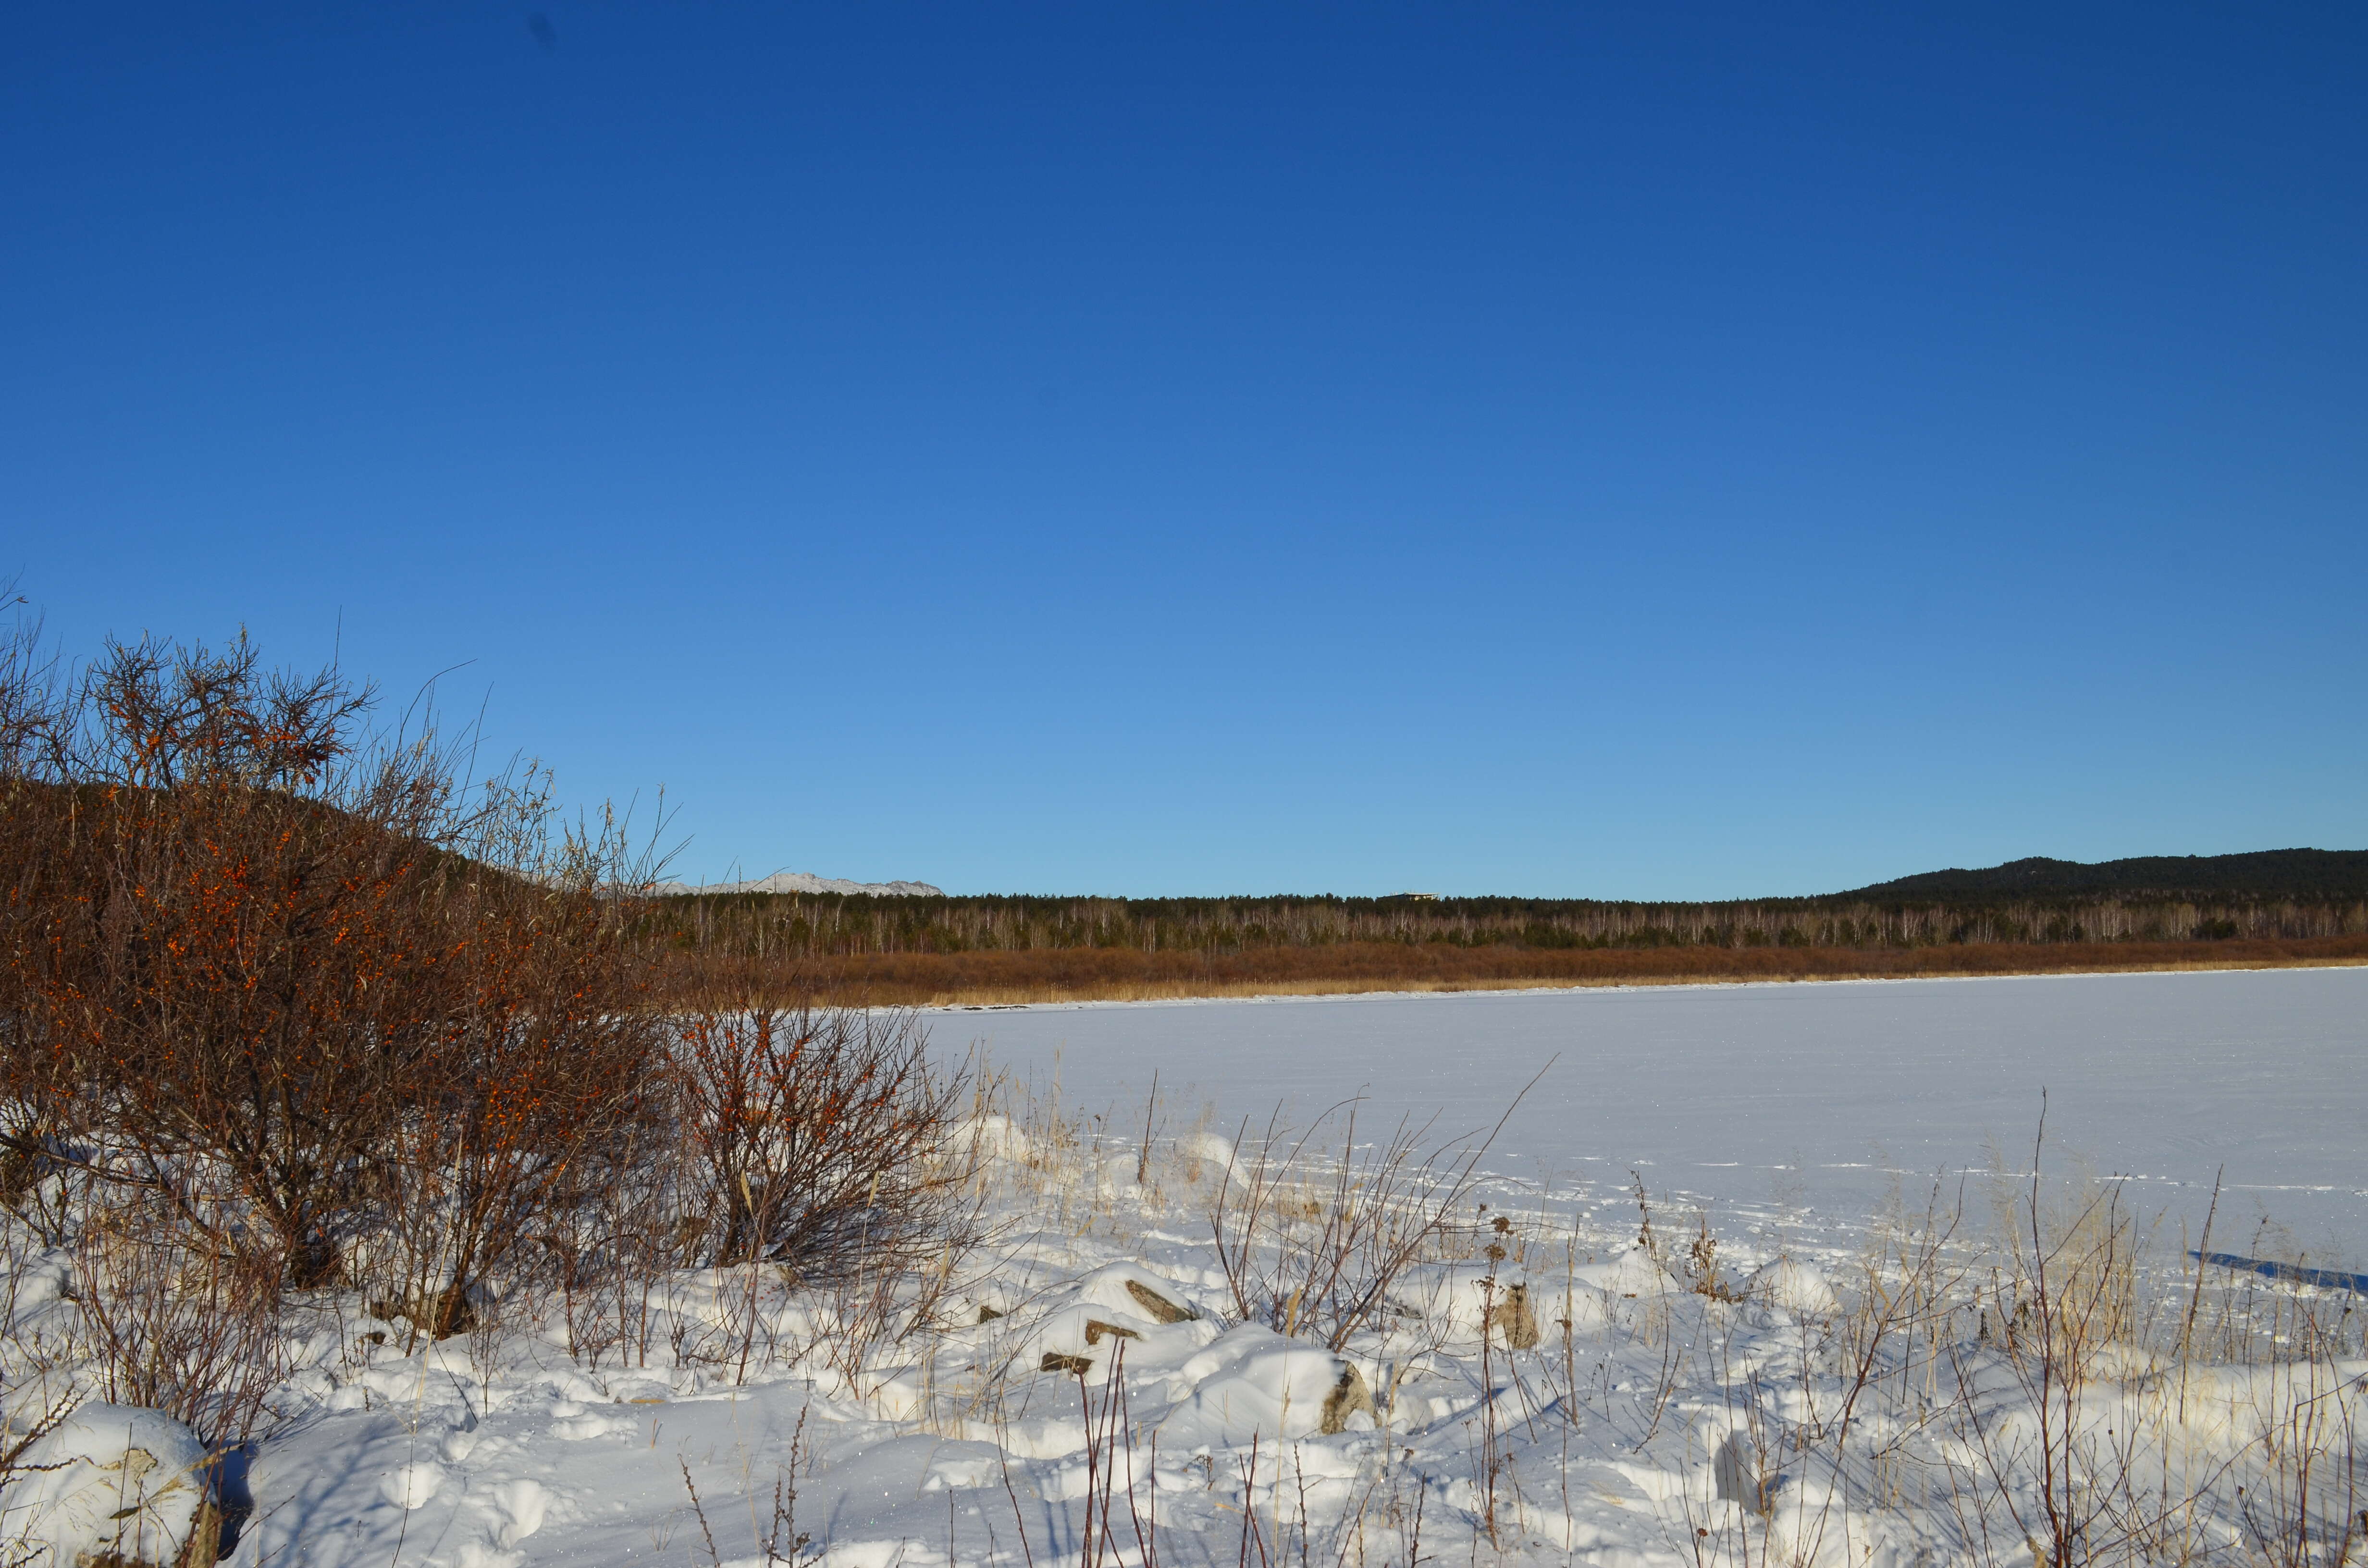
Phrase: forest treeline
(789, 926)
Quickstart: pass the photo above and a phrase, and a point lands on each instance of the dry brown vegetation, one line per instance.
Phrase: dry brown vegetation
(274, 980)
(810, 1138)
(2322, 900)
(288, 1006)
(908, 980)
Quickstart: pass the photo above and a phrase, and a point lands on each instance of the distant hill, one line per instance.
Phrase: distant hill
(805, 882)
(2266, 873)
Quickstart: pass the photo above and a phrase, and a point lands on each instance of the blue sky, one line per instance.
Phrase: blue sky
(1544, 449)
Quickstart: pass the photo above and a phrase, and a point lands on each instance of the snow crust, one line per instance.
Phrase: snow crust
(1824, 1097)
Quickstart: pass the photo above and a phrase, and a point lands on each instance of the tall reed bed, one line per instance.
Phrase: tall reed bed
(927, 979)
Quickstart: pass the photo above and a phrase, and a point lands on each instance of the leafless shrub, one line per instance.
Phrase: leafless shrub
(300, 983)
(613, 1235)
(541, 1077)
(42, 1173)
(820, 1141)
(173, 1323)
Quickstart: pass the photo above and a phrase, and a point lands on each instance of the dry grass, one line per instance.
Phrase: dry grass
(990, 979)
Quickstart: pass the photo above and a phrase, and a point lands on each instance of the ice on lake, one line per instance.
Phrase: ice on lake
(1823, 1096)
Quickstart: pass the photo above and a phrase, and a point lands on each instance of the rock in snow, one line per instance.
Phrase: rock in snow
(1252, 1380)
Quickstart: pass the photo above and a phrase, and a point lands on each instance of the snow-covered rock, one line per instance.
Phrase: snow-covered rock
(112, 1482)
(1079, 1327)
(1253, 1381)
(1079, 1337)
(1133, 1288)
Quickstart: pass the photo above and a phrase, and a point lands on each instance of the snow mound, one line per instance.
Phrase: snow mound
(110, 1482)
(1794, 1288)
(1600, 1293)
(1458, 1297)
(1207, 1149)
(414, 1485)
(996, 1137)
(1633, 1273)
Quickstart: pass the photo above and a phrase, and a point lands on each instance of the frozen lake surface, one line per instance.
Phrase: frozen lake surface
(1822, 1096)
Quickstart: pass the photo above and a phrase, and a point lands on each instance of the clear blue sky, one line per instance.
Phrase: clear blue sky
(1489, 448)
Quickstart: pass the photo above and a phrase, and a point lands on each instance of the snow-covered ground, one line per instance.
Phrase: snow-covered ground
(1755, 1098)
(1101, 1383)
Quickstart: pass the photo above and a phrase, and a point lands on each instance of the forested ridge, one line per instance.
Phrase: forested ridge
(2283, 894)
(2265, 874)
